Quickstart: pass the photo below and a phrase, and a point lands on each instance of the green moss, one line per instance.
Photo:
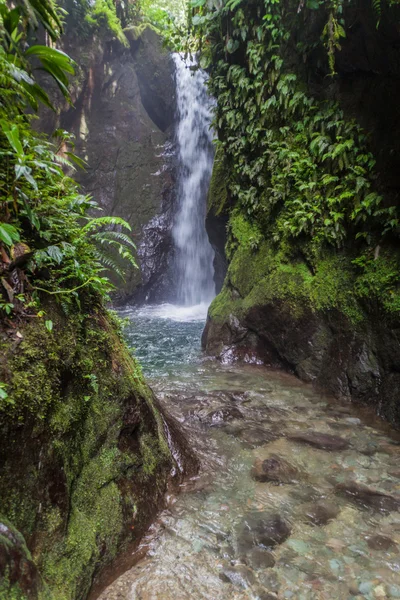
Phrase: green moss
(150, 450)
(218, 190)
(84, 377)
(260, 273)
(378, 277)
(333, 287)
(93, 525)
(223, 305)
(135, 32)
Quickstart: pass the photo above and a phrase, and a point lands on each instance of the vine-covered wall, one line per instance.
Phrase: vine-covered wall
(312, 192)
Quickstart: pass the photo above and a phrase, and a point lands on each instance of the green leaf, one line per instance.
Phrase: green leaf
(55, 254)
(49, 325)
(8, 234)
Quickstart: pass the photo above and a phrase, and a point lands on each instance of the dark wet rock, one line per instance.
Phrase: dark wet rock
(227, 552)
(123, 120)
(269, 580)
(18, 573)
(263, 594)
(381, 542)
(239, 575)
(321, 513)
(274, 469)
(254, 437)
(368, 449)
(222, 415)
(306, 494)
(367, 497)
(261, 529)
(258, 558)
(324, 441)
(238, 396)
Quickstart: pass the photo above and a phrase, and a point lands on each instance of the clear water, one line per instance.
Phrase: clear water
(198, 548)
(193, 250)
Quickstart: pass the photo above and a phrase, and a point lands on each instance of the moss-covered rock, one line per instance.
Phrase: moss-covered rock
(324, 319)
(83, 452)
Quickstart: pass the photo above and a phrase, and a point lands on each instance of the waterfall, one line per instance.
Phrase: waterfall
(194, 255)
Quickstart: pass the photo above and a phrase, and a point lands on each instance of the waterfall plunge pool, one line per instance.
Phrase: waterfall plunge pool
(298, 495)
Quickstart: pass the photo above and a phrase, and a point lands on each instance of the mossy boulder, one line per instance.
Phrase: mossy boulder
(84, 460)
(323, 320)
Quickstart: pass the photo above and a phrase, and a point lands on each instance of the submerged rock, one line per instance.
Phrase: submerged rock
(261, 529)
(222, 415)
(324, 441)
(254, 437)
(321, 513)
(274, 469)
(381, 542)
(367, 497)
(239, 575)
(258, 558)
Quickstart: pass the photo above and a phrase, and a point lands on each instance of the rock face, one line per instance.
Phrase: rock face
(84, 458)
(320, 318)
(123, 119)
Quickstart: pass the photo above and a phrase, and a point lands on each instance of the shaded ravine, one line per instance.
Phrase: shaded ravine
(298, 494)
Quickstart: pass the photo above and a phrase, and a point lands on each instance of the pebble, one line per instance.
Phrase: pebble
(365, 587)
(353, 421)
(394, 591)
(379, 592)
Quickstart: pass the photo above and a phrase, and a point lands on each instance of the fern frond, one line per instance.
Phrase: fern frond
(108, 236)
(105, 221)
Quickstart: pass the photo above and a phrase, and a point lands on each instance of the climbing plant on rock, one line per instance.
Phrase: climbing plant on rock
(298, 166)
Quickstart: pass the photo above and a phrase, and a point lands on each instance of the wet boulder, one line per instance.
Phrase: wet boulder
(320, 513)
(274, 469)
(261, 529)
(323, 441)
(367, 497)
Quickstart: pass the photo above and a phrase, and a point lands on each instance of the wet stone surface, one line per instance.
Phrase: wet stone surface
(297, 498)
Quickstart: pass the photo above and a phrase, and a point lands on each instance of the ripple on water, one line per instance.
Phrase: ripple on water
(344, 535)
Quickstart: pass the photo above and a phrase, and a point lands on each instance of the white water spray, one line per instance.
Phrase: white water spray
(194, 253)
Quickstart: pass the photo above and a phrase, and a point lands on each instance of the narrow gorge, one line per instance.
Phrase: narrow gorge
(199, 311)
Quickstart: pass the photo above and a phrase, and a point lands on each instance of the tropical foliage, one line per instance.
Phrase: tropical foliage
(48, 242)
(299, 167)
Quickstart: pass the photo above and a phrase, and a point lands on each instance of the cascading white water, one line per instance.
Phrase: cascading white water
(193, 250)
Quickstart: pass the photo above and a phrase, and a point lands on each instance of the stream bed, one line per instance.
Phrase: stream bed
(298, 495)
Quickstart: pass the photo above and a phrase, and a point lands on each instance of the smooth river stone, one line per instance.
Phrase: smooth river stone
(323, 441)
(381, 542)
(258, 558)
(252, 438)
(261, 529)
(239, 575)
(321, 513)
(367, 497)
(223, 415)
(274, 469)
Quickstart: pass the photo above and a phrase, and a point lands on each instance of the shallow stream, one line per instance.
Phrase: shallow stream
(298, 496)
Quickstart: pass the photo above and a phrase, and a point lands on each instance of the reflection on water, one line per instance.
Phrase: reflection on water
(298, 495)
